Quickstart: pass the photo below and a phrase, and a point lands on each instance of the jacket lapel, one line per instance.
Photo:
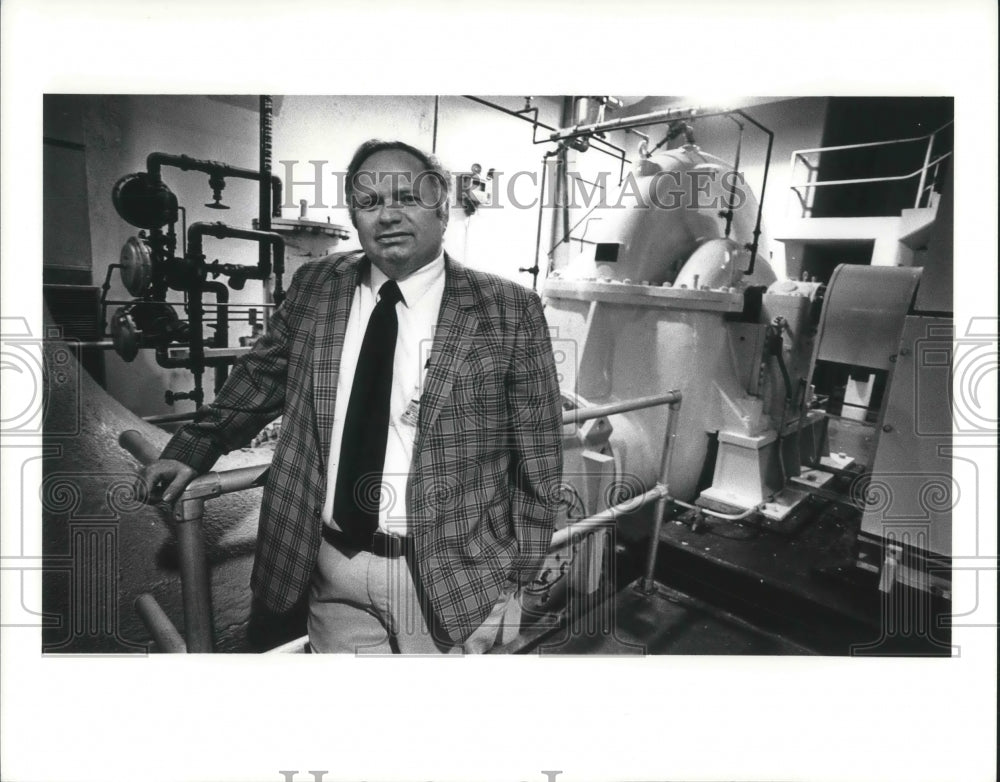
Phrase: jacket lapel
(331, 326)
(457, 324)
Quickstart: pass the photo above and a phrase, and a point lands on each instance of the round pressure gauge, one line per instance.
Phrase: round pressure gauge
(137, 266)
(124, 334)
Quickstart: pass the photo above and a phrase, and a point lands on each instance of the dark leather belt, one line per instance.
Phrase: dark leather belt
(380, 545)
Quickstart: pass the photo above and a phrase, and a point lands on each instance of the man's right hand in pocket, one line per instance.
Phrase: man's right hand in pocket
(166, 479)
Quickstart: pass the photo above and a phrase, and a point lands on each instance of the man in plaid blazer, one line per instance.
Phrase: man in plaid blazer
(486, 452)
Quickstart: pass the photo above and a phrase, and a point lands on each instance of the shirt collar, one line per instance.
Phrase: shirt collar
(414, 286)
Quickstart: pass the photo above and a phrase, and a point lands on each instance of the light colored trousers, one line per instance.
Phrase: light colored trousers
(360, 603)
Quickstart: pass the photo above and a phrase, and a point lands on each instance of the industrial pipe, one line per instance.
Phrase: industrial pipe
(619, 153)
(195, 308)
(660, 512)
(221, 292)
(210, 357)
(196, 594)
(156, 160)
(533, 270)
(659, 493)
(563, 537)
(638, 121)
(222, 231)
(188, 510)
(264, 210)
(191, 553)
(732, 187)
(165, 635)
(137, 445)
(170, 418)
(598, 411)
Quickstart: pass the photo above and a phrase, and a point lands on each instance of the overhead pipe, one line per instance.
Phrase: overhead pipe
(637, 121)
(156, 160)
(618, 154)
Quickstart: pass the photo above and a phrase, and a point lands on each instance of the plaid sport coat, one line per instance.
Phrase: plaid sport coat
(487, 459)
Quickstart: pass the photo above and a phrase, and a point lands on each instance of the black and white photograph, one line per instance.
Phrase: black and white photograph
(670, 418)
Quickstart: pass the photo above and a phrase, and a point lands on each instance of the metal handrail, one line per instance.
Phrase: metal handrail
(660, 493)
(188, 510)
(800, 155)
(900, 177)
(866, 144)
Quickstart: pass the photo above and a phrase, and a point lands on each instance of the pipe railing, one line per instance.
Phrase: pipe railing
(579, 414)
(188, 510)
(930, 162)
(659, 494)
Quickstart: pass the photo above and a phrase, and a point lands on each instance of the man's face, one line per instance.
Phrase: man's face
(396, 213)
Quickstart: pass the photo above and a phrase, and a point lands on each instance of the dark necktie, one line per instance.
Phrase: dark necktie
(366, 426)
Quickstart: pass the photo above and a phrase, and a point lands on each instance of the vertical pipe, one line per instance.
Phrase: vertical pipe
(538, 235)
(194, 577)
(434, 140)
(923, 171)
(196, 342)
(760, 204)
(660, 510)
(221, 327)
(264, 192)
(165, 635)
(732, 188)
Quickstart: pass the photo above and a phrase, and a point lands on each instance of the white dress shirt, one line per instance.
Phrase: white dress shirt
(417, 316)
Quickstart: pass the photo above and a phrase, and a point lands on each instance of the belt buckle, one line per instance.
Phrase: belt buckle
(386, 545)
